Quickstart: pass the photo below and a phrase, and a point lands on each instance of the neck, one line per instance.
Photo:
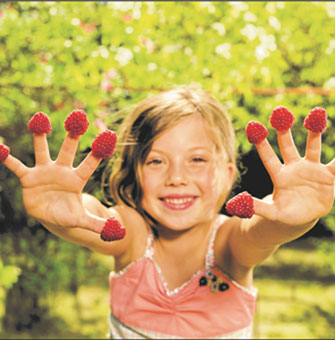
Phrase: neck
(184, 241)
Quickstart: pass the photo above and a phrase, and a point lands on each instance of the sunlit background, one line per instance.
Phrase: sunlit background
(104, 57)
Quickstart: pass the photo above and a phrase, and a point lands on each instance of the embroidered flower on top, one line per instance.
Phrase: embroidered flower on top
(213, 282)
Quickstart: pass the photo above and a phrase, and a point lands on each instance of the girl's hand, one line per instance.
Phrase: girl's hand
(52, 190)
(303, 186)
(303, 192)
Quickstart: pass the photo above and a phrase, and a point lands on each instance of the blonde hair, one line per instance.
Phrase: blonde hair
(149, 119)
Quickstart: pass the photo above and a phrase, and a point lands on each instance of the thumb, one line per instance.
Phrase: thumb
(244, 205)
(264, 208)
(91, 222)
(109, 229)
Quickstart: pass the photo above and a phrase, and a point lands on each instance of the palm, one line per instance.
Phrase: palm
(52, 190)
(303, 187)
(53, 193)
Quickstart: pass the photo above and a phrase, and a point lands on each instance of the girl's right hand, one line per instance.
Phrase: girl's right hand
(52, 190)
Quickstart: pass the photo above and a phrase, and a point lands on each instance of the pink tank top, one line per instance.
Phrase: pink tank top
(208, 305)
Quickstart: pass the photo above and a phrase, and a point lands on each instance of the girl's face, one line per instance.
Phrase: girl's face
(181, 180)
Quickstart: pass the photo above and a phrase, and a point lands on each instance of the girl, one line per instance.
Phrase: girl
(182, 270)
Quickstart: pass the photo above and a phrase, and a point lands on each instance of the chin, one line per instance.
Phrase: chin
(181, 223)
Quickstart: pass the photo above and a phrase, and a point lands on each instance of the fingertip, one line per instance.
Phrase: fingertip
(76, 123)
(256, 132)
(241, 205)
(4, 152)
(72, 136)
(113, 230)
(316, 121)
(104, 144)
(281, 119)
(39, 124)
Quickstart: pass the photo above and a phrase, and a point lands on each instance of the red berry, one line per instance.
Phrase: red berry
(76, 123)
(39, 123)
(316, 121)
(4, 152)
(281, 119)
(241, 205)
(256, 132)
(112, 230)
(104, 144)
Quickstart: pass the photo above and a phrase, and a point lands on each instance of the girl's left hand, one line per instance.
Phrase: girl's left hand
(303, 187)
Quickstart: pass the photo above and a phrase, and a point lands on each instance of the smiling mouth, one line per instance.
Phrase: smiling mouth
(178, 203)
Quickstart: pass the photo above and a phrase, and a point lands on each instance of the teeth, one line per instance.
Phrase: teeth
(178, 200)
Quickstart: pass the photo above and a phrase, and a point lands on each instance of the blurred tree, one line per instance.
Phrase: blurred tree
(105, 56)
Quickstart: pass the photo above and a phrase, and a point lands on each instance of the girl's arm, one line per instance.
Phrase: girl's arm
(52, 194)
(91, 239)
(303, 193)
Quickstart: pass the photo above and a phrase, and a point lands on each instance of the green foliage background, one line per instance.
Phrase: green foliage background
(106, 56)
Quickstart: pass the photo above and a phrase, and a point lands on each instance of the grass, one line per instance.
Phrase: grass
(295, 295)
(296, 300)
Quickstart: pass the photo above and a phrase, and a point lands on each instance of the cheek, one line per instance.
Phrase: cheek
(146, 191)
(149, 181)
(210, 181)
(145, 183)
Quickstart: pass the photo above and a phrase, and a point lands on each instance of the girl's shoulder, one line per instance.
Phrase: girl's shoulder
(224, 228)
(128, 216)
(137, 230)
(223, 254)
(225, 225)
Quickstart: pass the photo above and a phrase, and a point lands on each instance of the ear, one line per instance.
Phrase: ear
(231, 171)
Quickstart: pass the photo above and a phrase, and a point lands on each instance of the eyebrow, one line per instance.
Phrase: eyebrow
(190, 149)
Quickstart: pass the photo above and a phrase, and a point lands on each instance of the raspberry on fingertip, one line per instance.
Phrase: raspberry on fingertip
(316, 121)
(112, 230)
(281, 118)
(104, 144)
(76, 123)
(241, 205)
(39, 123)
(256, 132)
(4, 152)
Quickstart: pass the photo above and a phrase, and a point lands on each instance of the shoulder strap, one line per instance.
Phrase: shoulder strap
(210, 260)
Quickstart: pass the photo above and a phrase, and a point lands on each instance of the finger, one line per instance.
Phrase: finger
(41, 147)
(265, 209)
(269, 158)
(91, 222)
(287, 147)
(68, 150)
(313, 147)
(16, 166)
(87, 167)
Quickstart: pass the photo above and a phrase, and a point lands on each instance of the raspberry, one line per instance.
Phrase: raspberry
(241, 205)
(316, 121)
(281, 119)
(104, 144)
(4, 152)
(112, 230)
(76, 123)
(256, 132)
(39, 123)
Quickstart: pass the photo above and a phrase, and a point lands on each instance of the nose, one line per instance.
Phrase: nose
(176, 175)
